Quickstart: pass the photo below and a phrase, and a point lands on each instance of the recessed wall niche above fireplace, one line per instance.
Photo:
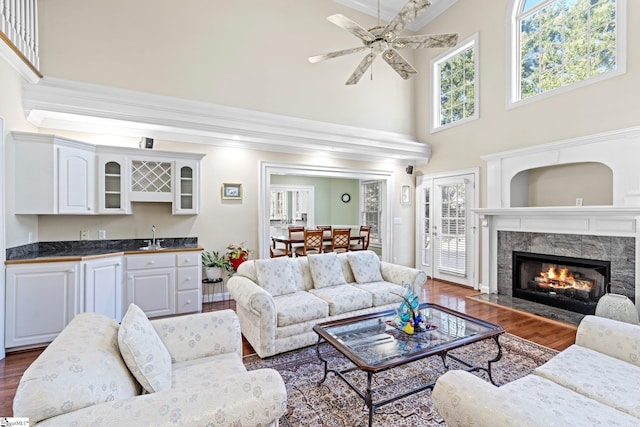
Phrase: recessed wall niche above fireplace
(574, 284)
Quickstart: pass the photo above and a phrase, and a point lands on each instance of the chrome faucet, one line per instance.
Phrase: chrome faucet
(153, 232)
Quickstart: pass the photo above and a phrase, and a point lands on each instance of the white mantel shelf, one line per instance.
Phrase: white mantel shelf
(560, 210)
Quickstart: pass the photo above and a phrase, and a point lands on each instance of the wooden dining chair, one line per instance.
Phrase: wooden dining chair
(363, 244)
(276, 252)
(296, 232)
(312, 243)
(340, 240)
(326, 229)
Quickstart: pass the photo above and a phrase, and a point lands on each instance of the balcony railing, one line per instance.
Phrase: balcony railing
(19, 30)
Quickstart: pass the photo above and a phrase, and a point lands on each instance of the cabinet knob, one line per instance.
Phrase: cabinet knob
(188, 302)
(188, 278)
(152, 262)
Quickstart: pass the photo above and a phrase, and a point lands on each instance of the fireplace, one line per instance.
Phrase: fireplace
(570, 283)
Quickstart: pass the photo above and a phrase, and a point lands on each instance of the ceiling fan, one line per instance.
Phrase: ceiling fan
(386, 40)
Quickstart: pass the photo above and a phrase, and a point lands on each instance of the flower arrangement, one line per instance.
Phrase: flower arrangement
(237, 254)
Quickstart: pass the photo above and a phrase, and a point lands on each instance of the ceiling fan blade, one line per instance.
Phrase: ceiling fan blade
(351, 26)
(361, 69)
(426, 41)
(406, 16)
(323, 57)
(398, 63)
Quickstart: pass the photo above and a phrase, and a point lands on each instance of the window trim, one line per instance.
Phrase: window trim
(513, 58)
(375, 242)
(472, 41)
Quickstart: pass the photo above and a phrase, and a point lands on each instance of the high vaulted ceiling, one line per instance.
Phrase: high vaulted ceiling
(389, 8)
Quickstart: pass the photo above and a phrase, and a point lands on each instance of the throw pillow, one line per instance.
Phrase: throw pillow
(365, 266)
(326, 270)
(275, 275)
(143, 351)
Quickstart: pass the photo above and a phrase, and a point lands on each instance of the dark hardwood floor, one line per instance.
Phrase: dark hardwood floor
(549, 333)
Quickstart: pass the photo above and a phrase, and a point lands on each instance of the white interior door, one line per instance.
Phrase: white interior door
(448, 245)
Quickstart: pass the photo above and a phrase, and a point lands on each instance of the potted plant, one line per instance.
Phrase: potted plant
(213, 264)
(237, 254)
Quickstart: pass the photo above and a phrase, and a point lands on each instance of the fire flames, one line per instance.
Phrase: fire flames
(562, 278)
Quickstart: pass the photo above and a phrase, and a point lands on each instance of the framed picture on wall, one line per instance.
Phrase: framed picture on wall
(405, 195)
(231, 191)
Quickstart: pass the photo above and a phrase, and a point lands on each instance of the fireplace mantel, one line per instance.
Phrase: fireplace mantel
(507, 204)
(588, 220)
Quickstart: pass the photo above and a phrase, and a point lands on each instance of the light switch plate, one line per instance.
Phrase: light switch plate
(84, 234)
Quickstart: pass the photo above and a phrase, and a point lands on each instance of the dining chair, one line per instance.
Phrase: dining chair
(312, 243)
(340, 240)
(276, 252)
(326, 229)
(296, 232)
(363, 244)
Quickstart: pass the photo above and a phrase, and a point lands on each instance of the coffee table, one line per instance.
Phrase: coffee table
(373, 345)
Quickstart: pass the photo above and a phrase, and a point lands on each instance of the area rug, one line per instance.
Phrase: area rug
(334, 404)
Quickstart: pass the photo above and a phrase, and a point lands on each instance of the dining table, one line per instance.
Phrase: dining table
(297, 238)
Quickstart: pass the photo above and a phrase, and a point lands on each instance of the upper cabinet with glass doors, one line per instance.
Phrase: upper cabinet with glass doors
(55, 175)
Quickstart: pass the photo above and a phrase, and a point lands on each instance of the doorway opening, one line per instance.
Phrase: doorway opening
(267, 170)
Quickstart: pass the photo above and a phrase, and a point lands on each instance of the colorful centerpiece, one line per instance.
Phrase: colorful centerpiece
(409, 318)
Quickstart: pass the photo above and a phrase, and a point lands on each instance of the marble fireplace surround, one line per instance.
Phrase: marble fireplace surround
(608, 231)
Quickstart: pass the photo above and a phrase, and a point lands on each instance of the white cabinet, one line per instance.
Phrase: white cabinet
(187, 188)
(113, 184)
(188, 282)
(76, 180)
(41, 299)
(163, 284)
(53, 175)
(102, 285)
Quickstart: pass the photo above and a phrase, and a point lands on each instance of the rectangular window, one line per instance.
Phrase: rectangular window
(454, 78)
(371, 209)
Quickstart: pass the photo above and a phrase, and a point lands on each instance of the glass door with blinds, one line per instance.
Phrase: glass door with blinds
(447, 245)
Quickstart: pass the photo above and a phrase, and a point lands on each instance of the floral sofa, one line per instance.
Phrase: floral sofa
(179, 371)
(279, 300)
(595, 382)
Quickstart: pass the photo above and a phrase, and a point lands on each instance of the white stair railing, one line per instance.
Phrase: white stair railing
(19, 27)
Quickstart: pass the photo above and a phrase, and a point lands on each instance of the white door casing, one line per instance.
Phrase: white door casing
(447, 243)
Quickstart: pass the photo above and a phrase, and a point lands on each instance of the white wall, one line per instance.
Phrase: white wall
(608, 105)
(17, 227)
(250, 54)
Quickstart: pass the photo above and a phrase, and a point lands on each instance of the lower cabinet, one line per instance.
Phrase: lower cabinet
(154, 291)
(40, 300)
(162, 284)
(43, 297)
(103, 291)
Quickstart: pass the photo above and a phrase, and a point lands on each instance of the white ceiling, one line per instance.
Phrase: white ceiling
(389, 9)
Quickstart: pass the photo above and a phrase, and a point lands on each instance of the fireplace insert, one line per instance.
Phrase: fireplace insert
(573, 284)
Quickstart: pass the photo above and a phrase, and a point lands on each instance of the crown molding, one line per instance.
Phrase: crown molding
(389, 9)
(76, 106)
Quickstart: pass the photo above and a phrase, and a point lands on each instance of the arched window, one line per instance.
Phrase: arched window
(558, 44)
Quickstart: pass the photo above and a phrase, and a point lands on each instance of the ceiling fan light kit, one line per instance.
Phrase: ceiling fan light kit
(385, 40)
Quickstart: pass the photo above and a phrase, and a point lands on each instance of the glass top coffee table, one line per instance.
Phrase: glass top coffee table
(374, 345)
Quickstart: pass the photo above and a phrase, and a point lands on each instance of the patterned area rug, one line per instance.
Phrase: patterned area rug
(334, 404)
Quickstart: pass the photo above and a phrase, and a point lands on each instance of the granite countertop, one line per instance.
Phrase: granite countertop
(79, 250)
